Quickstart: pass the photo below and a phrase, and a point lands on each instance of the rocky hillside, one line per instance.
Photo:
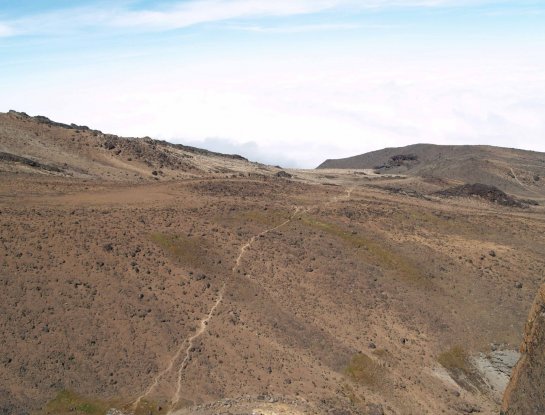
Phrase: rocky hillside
(40, 145)
(513, 171)
(525, 394)
(144, 278)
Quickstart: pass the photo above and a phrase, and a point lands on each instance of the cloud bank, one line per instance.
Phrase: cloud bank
(285, 90)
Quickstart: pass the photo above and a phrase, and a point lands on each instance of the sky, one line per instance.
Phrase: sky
(283, 82)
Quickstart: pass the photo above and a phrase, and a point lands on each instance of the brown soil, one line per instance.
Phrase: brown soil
(222, 288)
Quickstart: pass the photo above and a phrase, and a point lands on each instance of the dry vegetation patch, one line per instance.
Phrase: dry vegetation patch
(457, 362)
(364, 370)
(456, 358)
(186, 250)
(68, 402)
(266, 217)
(374, 250)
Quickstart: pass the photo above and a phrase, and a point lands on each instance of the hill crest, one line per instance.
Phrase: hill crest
(511, 170)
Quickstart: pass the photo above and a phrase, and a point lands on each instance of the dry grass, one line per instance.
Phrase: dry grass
(147, 408)
(383, 355)
(373, 249)
(455, 359)
(457, 362)
(362, 369)
(267, 218)
(424, 219)
(67, 402)
(71, 403)
(188, 251)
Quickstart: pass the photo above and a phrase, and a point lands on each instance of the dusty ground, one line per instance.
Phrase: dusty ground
(104, 288)
(211, 292)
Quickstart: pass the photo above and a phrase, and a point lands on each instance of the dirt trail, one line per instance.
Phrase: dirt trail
(202, 329)
(205, 321)
(522, 184)
(345, 197)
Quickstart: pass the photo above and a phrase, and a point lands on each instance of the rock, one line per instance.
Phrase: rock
(496, 367)
(492, 253)
(518, 284)
(109, 145)
(198, 277)
(372, 345)
(524, 394)
(113, 411)
(468, 408)
(283, 174)
(375, 409)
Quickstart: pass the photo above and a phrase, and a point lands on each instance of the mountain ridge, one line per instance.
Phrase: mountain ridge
(511, 170)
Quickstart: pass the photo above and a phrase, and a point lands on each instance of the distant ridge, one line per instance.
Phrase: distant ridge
(511, 170)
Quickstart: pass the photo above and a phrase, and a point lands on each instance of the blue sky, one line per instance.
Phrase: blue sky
(287, 82)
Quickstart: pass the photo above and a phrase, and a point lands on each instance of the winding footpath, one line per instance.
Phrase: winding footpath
(201, 330)
(188, 343)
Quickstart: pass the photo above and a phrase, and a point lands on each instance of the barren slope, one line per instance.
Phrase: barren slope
(245, 292)
(38, 145)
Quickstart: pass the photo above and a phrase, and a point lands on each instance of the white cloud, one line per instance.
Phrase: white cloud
(298, 112)
(6, 30)
(250, 149)
(183, 14)
(189, 13)
(174, 16)
(305, 28)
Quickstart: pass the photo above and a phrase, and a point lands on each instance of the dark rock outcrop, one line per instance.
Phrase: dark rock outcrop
(283, 174)
(29, 162)
(44, 120)
(490, 193)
